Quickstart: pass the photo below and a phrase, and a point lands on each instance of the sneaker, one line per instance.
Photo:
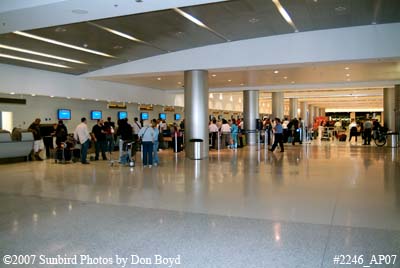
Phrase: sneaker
(150, 166)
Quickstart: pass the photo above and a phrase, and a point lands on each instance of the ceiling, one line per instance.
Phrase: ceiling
(163, 31)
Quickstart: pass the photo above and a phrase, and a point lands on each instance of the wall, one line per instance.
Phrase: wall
(23, 80)
(45, 108)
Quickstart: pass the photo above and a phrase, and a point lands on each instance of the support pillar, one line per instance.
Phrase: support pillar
(196, 112)
(322, 112)
(250, 114)
(316, 111)
(311, 115)
(389, 111)
(304, 117)
(278, 106)
(293, 107)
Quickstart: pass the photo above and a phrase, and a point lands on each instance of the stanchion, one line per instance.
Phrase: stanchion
(265, 140)
(176, 142)
(219, 140)
(258, 139)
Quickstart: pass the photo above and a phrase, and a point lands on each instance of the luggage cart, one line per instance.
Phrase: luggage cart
(128, 156)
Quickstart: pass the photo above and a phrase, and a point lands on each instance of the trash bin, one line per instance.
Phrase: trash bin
(392, 139)
(196, 145)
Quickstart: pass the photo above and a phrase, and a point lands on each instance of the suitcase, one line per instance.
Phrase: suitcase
(342, 137)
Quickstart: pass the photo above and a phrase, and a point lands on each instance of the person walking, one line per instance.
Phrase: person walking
(82, 135)
(146, 134)
(278, 137)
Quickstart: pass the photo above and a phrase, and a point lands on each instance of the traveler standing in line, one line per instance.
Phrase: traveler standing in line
(61, 133)
(278, 130)
(109, 130)
(226, 133)
(82, 135)
(125, 134)
(146, 134)
(241, 132)
(367, 131)
(99, 137)
(154, 125)
(213, 129)
(234, 134)
(136, 128)
(37, 136)
(353, 129)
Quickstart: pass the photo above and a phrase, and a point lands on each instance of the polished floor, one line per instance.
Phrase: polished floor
(242, 208)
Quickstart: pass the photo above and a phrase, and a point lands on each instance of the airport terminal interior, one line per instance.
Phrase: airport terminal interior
(322, 76)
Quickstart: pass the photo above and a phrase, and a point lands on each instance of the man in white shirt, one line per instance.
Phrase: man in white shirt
(82, 135)
(213, 129)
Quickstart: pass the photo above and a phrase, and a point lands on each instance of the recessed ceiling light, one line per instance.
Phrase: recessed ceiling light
(242, 84)
(117, 47)
(347, 68)
(211, 96)
(80, 11)
(83, 98)
(33, 95)
(292, 82)
(253, 20)
(12, 93)
(220, 96)
(231, 98)
(51, 96)
(340, 9)
(68, 97)
(96, 99)
(276, 72)
(33, 61)
(285, 77)
(40, 54)
(213, 75)
(158, 78)
(229, 80)
(347, 75)
(51, 41)
(60, 30)
(179, 83)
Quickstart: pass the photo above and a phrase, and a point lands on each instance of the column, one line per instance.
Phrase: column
(397, 107)
(250, 114)
(316, 111)
(389, 111)
(196, 111)
(278, 106)
(293, 107)
(304, 117)
(322, 112)
(311, 115)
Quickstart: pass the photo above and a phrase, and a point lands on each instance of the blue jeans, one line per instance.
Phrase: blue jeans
(84, 150)
(101, 146)
(147, 153)
(155, 153)
(110, 143)
(234, 137)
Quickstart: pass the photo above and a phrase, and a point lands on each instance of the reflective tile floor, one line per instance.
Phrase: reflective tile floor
(327, 205)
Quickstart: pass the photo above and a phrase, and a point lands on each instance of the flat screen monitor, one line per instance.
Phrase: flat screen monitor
(96, 115)
(163, 116)
(122, 115)
(177, 116)
(64, 114)
(144, 116)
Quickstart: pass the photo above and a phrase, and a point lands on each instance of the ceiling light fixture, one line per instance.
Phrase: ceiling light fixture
(347, 68)
(159, 78)
(51, 41)
(40, 54)
(347, 75)
(33, 95)
(211, 96)
(179, 83)
(124, 35)
(220, 96)
(229, 80)
(285, 77)
(12, 93)
(213, 75)
(285, 15)
(199, 23)
(276, 72)
(33, 61)
(231, 98)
